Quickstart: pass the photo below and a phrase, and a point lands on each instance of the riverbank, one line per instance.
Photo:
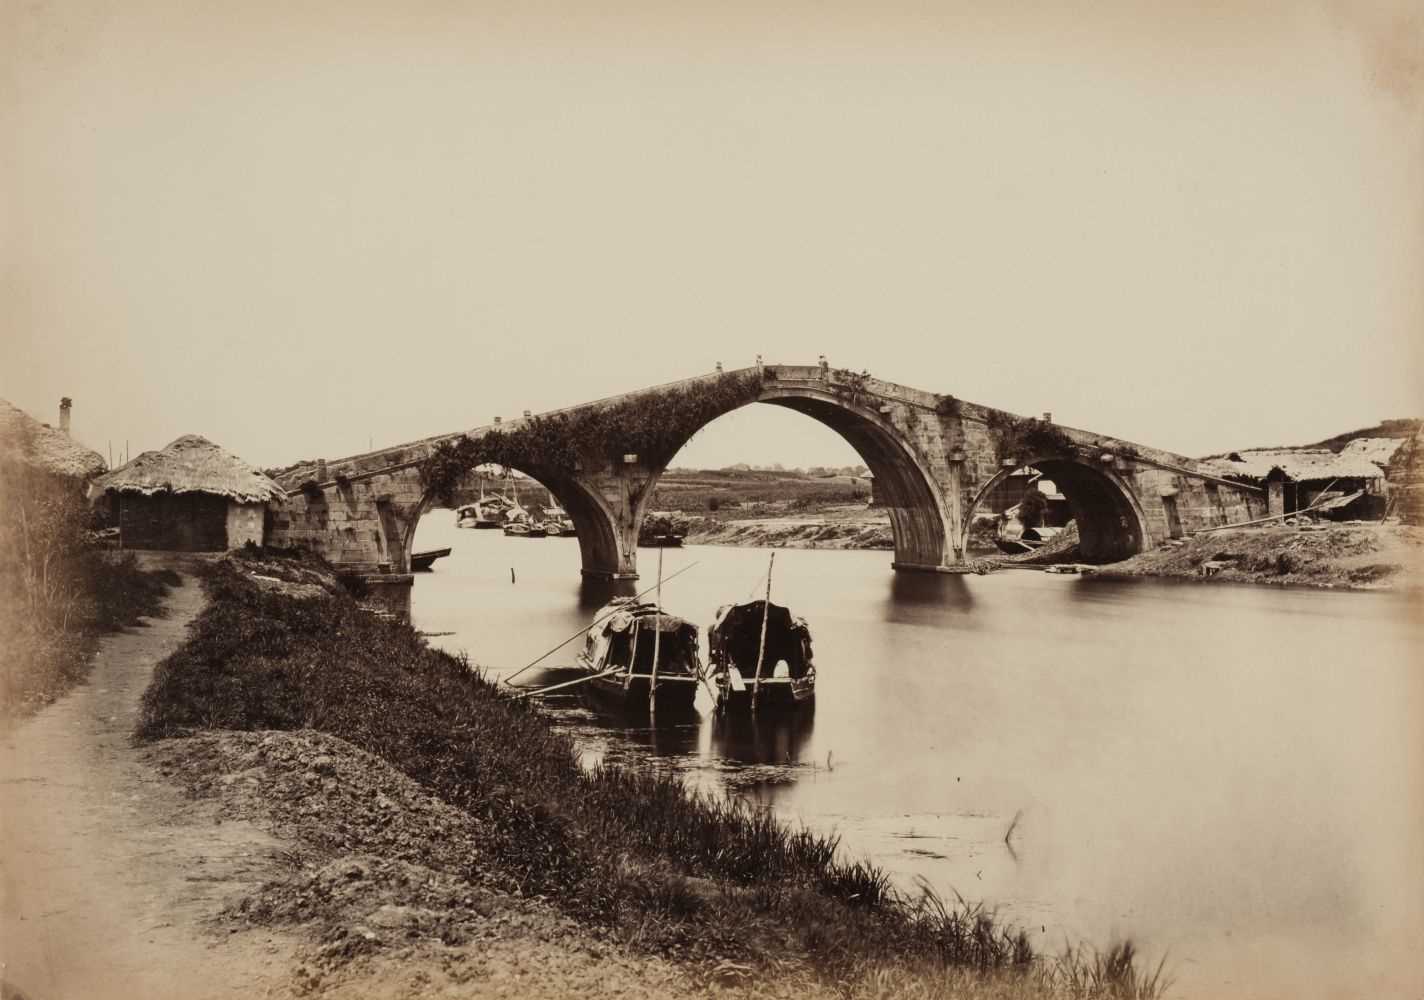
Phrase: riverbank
(1366, 556)
(1360, 556)
(434, 814)
(844, 526)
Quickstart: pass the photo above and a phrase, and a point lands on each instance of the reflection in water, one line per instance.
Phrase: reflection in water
(767, 748)
(1225, 773)
(761, 738)
(920, 597)
(665, 734)
(594, 592)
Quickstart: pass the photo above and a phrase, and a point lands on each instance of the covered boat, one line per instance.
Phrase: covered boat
(661, 529)
(486, 512)
(557, 521)
(788, 675)
(619, 651)
(1014, 539)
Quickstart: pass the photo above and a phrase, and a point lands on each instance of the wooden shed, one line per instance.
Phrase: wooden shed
(191, 496)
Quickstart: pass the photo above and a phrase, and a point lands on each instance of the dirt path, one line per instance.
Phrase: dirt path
(108, 874)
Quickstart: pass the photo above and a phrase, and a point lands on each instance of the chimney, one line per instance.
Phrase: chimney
(64, 404)
(1047, 417)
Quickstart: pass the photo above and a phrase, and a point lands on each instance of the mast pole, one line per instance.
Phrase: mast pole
(633, 655)
(657, 638)
(761, 646)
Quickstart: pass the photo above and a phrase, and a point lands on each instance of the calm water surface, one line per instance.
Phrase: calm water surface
(1230, 775)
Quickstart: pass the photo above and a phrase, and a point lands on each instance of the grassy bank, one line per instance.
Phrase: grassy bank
(654, 866)
(58, 591)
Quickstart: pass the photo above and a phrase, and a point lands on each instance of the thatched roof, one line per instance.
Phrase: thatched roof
(25, 439)
(1300, 464)
(1380, 451)
(191, 464)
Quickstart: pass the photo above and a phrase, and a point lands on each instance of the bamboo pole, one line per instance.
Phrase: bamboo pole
(567, 684)
(633, 656)
(1273, 517)
(657, 637)
(585, 629)
(761, 647)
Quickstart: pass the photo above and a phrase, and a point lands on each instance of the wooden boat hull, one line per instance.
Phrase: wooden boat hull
(660, 541)
(675, 694)
(777, 695)
(420, 562)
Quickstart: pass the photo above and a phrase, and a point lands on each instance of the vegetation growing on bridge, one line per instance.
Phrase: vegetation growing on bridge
(1024, 438)
(652, 425)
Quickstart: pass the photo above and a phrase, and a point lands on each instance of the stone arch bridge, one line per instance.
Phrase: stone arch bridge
(934, 458)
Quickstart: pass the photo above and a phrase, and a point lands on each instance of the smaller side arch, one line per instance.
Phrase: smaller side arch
(594, 521)
(1111, 523)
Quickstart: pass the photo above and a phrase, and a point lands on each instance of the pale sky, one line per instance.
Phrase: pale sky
(1197, 226)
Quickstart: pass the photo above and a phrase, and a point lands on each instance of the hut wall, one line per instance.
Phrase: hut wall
(1275, 498)
(244, 523)
(183, 522)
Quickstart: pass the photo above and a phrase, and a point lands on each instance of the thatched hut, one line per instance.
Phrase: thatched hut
(191, 496)
(25, 440)
(1298, 478)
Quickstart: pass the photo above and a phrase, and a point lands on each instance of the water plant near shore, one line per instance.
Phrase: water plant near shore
(636, 853)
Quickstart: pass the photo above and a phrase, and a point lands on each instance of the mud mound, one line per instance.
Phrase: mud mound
(326, 793)
(391, 881)
(1365, 556)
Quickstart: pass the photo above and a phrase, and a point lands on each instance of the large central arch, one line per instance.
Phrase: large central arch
(1111, 523)
(906, 488)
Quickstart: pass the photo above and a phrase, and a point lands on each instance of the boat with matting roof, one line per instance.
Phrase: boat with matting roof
(633, 649)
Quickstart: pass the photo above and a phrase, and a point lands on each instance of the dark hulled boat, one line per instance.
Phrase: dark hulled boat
(619, 651)
(420, 562)
(787, 672)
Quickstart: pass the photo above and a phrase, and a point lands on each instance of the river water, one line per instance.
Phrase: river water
(1230, 775)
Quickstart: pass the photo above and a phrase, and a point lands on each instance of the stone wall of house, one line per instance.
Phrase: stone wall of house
(244, 523)
(1406, 481)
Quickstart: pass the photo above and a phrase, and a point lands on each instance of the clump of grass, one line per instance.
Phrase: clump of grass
(1086, 972)
(660, 867)
(58, 591)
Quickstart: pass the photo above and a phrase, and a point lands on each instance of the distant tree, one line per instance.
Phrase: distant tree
(1032, 507)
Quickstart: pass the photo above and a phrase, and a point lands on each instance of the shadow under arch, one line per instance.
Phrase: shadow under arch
(908, 493)
(1111, 522)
